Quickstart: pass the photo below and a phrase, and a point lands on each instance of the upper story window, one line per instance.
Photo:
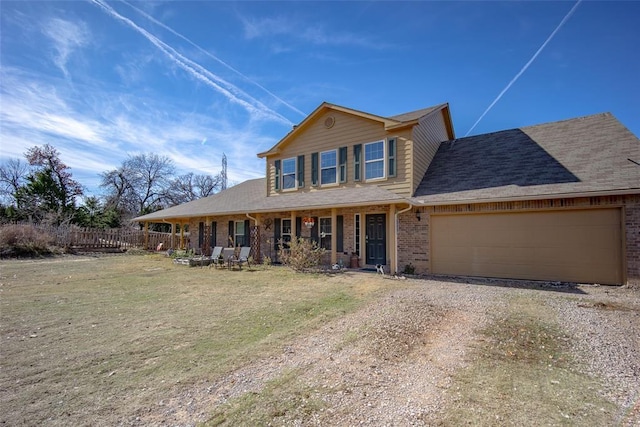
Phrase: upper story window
(374, 160)
(328, 167)
(289, 173)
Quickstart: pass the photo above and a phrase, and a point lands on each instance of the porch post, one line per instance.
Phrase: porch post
(146, 235)
(294, 232)
(392, 241)
(173, 236)
(334, 235)
(181, 235)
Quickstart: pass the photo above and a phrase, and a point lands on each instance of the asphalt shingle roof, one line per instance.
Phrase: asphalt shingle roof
(250, 197)
(582, 155)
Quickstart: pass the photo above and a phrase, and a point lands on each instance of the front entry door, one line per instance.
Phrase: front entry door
(376, 239)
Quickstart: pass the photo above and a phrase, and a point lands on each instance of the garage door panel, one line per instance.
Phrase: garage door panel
(574, 245)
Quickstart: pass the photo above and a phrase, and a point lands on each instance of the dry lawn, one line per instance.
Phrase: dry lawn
(138, 340)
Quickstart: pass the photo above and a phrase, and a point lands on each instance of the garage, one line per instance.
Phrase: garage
(561, 245)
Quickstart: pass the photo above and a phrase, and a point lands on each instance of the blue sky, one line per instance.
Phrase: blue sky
(101, 80)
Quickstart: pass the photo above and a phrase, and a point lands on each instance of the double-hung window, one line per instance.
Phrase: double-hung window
(286, 232)
(239, 233)
(374, 160)
(328, 167)
(289, 173)
(325, 233)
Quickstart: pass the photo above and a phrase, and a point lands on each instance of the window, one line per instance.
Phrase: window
(239, 233)
(286, 232)
(289, 173)
(374, 160)
(325, 233)
(328, 166)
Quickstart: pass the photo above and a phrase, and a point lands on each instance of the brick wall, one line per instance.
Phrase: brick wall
(413, 236)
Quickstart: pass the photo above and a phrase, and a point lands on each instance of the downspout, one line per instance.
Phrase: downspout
(397, 224)
(255, 220)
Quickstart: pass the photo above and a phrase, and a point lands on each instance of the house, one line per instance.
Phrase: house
(557, 201)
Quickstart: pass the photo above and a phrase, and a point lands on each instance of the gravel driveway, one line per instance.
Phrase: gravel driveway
(393, 362)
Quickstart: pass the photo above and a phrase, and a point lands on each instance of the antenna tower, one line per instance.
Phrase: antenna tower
(223, 174)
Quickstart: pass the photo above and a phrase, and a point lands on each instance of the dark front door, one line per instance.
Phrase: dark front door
(376, 239)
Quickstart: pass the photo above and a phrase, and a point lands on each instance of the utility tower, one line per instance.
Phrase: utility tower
(223, 174)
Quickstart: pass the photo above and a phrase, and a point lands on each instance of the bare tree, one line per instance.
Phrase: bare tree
(140, 184)
(13, 175)
(186, 188)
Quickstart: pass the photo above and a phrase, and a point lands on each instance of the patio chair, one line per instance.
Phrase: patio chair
(227, 255)
(242, 257)
(216, 257)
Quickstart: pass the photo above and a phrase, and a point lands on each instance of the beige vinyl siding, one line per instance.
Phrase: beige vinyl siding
(427, 135)
(347, 130)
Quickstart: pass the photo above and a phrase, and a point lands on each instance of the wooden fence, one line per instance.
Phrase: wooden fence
(83, 238)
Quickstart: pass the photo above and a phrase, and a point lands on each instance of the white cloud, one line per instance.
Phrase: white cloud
(297, 29)
(66, 36)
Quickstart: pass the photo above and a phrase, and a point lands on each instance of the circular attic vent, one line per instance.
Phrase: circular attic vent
(329, 122)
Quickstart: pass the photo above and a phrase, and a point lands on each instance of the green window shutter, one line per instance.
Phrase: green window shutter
(314, 169)
(298, 226)
(357, 161)
(277, 234)
(247, 233)
(342, 160)
(277, 183)
(392, 157)
(200, 234)
(301, 171)
(231, 234)
(214, 227)
(339, 233)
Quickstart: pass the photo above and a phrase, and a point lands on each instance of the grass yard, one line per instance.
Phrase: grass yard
(91, 341)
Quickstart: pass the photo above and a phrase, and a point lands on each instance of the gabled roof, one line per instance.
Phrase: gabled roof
(250, 197)
(582, 156)
(393, 122)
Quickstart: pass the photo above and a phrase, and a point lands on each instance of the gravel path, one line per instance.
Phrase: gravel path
(392, 362)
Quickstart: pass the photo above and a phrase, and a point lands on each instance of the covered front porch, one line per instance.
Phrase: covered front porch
(368, 233)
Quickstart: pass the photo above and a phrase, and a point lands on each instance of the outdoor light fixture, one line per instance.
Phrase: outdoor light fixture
(418, 214)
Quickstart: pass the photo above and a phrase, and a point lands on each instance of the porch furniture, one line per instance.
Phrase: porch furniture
(215, 257)
(242, 257)
(227, 256)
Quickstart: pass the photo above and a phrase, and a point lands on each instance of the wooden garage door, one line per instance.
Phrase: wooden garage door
(572, 246)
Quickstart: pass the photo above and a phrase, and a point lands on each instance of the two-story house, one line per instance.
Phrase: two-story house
(557, 201)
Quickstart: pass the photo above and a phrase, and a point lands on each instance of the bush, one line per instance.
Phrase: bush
(24, 241)
(409, 269)
(301, 255)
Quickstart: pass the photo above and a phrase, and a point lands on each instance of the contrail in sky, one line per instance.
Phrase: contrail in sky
(525, 66)
(231, 92)
(215, 58)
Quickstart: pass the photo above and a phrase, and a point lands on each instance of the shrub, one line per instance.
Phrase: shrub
(24, 241)
(301, 255)
(409, 269)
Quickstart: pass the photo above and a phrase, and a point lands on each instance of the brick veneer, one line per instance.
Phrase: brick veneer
(413, 236)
